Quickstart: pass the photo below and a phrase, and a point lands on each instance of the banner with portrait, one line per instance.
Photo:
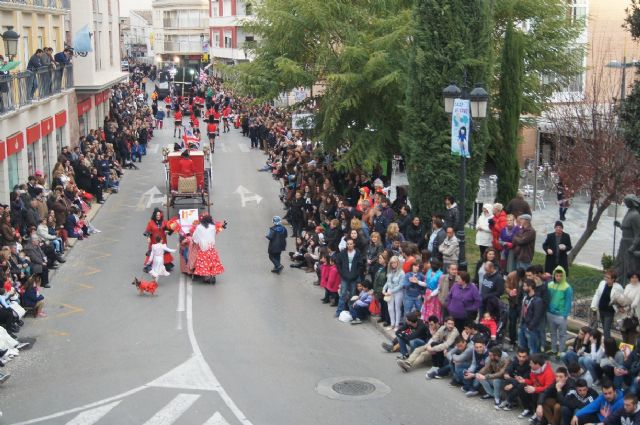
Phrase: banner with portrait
(461, 128)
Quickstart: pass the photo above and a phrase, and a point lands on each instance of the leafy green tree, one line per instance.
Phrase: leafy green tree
(451, 40)
(510, 104)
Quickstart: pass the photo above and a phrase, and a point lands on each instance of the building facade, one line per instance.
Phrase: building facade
(180, 30)
(606, 42)
(34, 107)
(229, 37)
(100, 68)
(136, 35)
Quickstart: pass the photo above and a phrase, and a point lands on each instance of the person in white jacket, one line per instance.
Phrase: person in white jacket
(629, 305)
(394, 289)
(602, 302)
(483, 231)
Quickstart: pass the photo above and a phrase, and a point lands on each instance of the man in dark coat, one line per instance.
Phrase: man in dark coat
(556, 246)
(277, 243)
(350, 265)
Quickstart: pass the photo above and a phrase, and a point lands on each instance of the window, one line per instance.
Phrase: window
(215, 8)
(25, 46)
(31, 158)
(226, 8)
(248, 9)
(14, 175)
(46, 154)
(578, 9)
(60, 143)
(40, 38)
(227, 40)
(216, 39)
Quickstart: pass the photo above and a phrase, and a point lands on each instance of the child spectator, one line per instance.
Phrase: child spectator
(329, 280)
(490, 323)
(360, 308)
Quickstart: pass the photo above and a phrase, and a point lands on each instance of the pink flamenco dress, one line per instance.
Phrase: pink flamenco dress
(203, 249)
(431, 305)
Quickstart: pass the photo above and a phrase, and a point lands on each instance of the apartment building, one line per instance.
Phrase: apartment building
(180, 31)
(228, 34)
(34, 107)
(608, 45)
(100, 68)
(136, 35)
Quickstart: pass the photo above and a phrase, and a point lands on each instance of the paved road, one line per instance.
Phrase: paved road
(250, 350)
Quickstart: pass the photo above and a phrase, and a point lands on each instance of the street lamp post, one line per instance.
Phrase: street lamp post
(478, 98)
(10, 39)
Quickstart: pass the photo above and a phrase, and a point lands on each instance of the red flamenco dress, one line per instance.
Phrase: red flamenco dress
(157, 226)
(203, 242)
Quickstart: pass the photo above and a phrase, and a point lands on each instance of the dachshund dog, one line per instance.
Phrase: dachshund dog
(145, 286)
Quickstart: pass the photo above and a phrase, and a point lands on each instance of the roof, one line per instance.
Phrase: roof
(144, 14)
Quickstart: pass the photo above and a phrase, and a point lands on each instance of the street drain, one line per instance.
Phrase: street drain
(352, 388)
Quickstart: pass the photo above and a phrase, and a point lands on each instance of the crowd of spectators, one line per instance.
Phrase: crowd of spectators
(374, 257)
(45, 213)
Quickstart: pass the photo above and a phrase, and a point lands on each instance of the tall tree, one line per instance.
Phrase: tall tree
(451, 40)
(510, 104)
(630, 111)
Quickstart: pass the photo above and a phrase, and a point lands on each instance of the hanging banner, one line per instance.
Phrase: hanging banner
(461, 128)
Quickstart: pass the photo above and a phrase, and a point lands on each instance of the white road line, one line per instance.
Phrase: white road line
(181, 290)
(243, 148)
(216, 419)
(81, 408)
(173, 410)
(90, 417)
(196, 351)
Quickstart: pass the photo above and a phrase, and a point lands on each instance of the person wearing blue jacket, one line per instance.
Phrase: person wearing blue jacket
(414, 286)
(596, 412)
(359, 309)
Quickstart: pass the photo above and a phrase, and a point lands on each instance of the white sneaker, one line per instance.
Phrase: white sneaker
(525, 414)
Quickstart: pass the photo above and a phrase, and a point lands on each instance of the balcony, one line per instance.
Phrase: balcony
(38, 4)
(182, 47)
(23, 88)
(185, 23)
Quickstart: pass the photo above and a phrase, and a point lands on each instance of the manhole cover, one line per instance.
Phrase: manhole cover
(353, 387)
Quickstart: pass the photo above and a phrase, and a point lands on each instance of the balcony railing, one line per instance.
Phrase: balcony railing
(22, 88)
(182, 46)
(51, 4)
(185, 23)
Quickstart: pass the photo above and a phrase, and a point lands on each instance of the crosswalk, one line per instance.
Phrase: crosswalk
(177, 410)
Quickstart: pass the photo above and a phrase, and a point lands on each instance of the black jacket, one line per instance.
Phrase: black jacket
(357, 266)
(558, 258)
(573, 401)
(552, 392)
(532, 311)
(277, 239)
(408, 333)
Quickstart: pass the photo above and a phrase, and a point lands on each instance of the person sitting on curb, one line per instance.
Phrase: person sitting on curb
(491, 376)
(519, 369)
(576, 399)
(550, 401)
(432, 327)
(359, 309)
(629, 414)
(435, 347)
(539, 379)
(413, 334)
(457, 361)
(479, 357)
(611, 400)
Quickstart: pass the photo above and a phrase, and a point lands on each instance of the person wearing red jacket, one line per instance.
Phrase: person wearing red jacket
(542, 375)
(496, 224)
(329, 279)
(177, 119)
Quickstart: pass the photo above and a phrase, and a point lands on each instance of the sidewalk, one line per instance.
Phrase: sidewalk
(545, 216)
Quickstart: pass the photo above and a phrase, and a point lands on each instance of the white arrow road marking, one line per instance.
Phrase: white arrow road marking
(173, 410)
(193, 374)
(153, 195)
(90, 417)
(216, 419)
(247, 196)
(243, 148)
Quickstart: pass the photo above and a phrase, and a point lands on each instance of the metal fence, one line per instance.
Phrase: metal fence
(23, 88)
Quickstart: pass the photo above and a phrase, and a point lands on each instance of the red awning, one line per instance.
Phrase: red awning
(84, 106)
(33, 134)
(15, 143)
(61, 119)
(46, 126)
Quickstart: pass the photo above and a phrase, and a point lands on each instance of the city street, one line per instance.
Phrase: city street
(251, 349)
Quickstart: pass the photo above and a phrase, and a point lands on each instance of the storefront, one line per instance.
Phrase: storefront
(61, 140)
(15, 147)
(34, 149)
(84, 107)
(48, 144)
